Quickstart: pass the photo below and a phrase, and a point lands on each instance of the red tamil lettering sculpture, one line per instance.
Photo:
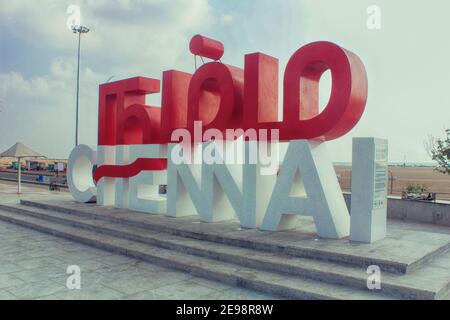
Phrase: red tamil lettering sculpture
(227, 97)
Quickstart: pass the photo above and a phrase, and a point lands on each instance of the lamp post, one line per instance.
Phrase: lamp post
(79, 30)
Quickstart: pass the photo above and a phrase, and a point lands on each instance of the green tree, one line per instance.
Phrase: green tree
(439, 150)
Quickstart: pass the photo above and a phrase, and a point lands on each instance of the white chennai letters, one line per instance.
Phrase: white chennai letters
(369, 190)
(79, 174)
(144, 188)
(121, 197)
(219, 190)
(306, 184)
(106, 187)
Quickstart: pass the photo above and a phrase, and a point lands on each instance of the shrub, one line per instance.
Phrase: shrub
(416, 188)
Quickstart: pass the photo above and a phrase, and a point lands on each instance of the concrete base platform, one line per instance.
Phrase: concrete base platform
(415, 264)
(401, 251)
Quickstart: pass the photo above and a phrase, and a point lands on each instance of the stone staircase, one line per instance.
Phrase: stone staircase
(292, 265)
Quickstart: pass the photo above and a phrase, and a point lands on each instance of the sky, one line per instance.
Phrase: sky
(406, 59)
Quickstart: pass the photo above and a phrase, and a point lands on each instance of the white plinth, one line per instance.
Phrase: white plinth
(369, 189)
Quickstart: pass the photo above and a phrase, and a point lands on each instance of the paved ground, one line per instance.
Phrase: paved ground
(12, 175)
(8, 191)
(33, 265)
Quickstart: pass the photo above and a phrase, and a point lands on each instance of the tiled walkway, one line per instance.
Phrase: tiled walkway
(33, 265)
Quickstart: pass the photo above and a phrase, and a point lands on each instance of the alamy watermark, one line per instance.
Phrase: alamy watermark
(74, 19)
(73, 281)
(374, 278)
(234, 146)
(373, 21)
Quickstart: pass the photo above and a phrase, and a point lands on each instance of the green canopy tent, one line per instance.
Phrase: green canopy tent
(20, 151)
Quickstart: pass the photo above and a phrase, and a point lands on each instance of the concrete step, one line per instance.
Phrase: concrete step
(304, 245)
(411, 286)
(287, 286)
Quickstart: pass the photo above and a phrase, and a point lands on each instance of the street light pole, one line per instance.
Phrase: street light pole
(79, 30)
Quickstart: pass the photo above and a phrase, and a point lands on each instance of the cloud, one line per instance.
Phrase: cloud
(127, 38)
(406, 60)
(40, 111)
(227, 19)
